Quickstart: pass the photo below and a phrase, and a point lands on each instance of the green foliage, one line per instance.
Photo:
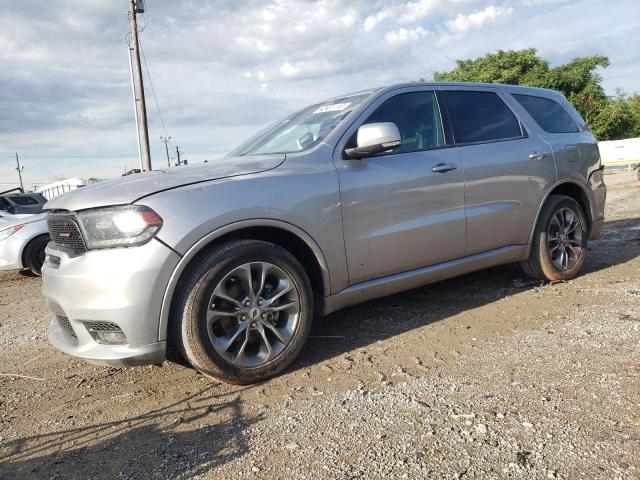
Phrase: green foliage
(614, 120)
(634, 106)
(608, 118)
(513, 67)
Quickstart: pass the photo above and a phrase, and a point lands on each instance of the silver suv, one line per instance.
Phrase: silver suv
(354, 198)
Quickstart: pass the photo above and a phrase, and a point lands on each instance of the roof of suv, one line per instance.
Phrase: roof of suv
(544, 92)
(498, 86)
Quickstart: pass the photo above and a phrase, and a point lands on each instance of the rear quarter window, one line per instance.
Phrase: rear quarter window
(24, 201)
(549, 114)
(478, 116)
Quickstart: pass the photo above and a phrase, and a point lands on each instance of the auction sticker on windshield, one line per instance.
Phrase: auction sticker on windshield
(336, 107)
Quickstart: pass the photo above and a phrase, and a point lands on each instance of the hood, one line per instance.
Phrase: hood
(7, 220)
(128, 189)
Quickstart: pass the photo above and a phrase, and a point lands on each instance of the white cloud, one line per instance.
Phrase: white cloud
(415, 11)
(348, 19)
(289, 70)
(253, 43)
(372, 20)
(223, 69)
(308, 69)
(401, 36)
(490, 14)
(407, 12)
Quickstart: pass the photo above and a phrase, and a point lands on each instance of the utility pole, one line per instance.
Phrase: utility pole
(178, 154)
(19, 169)
(135, 109)
(135, 7)
(165, 140)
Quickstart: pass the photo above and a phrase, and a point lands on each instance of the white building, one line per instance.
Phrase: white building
(58, 188)
(620, 152)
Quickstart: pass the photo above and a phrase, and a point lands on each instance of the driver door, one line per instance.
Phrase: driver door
(402, 210)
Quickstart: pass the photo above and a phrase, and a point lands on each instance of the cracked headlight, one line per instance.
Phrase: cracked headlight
(119, 226)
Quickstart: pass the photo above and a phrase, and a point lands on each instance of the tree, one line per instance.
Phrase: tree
(634, 106)
(522, 67)
(577, 80)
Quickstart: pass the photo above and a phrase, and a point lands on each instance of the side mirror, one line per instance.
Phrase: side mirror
(374, 138)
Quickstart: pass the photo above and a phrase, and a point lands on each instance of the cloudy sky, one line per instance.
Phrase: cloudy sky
(222, 69)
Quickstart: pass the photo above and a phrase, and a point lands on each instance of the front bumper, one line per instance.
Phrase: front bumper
(122, 286)
(119, 355)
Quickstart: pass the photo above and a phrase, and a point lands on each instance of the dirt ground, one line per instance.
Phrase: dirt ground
(489, 375)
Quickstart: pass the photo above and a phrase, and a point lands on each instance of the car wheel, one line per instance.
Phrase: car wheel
(243, 312)
(560, 239)
(34, 254)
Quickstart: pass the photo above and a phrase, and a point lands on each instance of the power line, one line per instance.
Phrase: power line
(70, 156)
(153, 91)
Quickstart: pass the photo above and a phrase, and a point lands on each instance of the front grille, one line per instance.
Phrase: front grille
(64, 231)
(102, 327)
(106, 333)
(65, 324)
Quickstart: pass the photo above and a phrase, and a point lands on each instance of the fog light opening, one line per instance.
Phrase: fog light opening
(106, 333)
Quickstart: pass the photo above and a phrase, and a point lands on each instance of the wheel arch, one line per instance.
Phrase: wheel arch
(25, 247)
(572, 189)
(293, 239)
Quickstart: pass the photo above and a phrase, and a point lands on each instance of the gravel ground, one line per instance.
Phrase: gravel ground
(489, 375)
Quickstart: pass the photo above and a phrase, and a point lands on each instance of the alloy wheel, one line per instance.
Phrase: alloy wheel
(565, 238)
(253, 314)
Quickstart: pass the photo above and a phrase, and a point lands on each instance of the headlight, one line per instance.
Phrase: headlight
(119, 226)
(7, 232)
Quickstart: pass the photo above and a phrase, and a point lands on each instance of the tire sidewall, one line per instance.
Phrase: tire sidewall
(31, 253)
(195, 337)
(548, 267)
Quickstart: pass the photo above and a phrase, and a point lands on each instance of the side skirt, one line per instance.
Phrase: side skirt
(399, 282)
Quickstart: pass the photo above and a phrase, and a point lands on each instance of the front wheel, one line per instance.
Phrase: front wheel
(560, 239)
(34, 254)
(244, 312)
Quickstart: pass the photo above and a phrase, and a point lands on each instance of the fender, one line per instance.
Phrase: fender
(549, 191)
(230, 228)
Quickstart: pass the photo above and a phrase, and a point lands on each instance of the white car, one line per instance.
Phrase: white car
(23, 239)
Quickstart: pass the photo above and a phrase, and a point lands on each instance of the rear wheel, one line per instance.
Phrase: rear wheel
(559, 245)
(34, 254)
(244, 312)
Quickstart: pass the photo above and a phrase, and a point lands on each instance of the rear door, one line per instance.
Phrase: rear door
(573, 146)
(404, 209)
(507, 167)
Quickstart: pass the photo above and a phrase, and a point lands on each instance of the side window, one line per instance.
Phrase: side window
(548, 114)
(5, 206)
(24, 201)
(480, 117)
(418, 119)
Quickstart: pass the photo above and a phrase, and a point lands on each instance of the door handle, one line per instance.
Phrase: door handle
(538, 155)
(444, 167)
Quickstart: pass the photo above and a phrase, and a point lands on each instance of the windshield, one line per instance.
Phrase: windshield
(303, 129)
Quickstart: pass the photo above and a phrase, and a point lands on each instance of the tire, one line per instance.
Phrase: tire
(34, 254)
(545, 260)
(220, 274)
